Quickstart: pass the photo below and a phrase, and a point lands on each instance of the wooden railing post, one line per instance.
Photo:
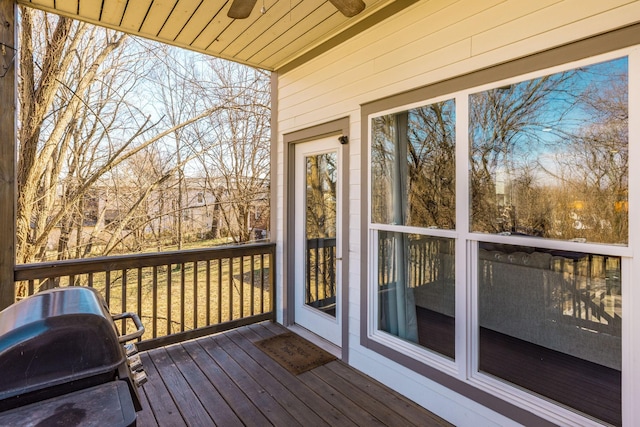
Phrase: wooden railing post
(7, 150)
(272, 283)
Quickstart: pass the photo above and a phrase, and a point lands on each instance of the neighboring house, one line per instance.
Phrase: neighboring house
(447, 134)
(208, 209)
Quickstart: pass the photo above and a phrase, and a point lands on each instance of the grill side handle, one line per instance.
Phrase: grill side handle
(136, 320)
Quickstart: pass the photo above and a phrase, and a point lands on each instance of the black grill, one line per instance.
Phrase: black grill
(63, 362)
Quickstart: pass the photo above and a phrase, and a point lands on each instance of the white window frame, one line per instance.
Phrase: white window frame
(412, 350)
(465, 366)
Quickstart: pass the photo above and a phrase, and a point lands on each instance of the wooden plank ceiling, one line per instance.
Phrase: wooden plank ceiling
(288, 32)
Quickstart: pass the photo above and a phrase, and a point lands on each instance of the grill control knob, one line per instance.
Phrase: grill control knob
(135, 363)
(139, 378)
(130, 349)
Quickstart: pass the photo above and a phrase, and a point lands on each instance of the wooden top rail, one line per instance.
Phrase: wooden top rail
(113, 263)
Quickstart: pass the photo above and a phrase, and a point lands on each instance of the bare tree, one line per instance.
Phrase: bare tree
(597, 161)
(238, 145)
(550, 155)
(178, 98)
(56, 71)
(81, 121)
(431, 169)
(505, 125)
(414, 156)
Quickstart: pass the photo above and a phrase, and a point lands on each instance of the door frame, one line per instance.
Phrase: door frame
(340, 129)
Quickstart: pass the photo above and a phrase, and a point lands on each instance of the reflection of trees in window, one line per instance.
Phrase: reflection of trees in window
(382, 167)
(596, 163)
(321, 195)
(413, 167)
(431, 157)
(549, 156)
(505, 125)
(321, 205)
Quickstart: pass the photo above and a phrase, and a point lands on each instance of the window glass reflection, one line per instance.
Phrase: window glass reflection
(320, 229)
(551, 322)
(549, 156)
(413, 167)
(416, 289)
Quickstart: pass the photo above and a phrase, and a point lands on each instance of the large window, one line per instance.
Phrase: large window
(413, 192)
(537, 217)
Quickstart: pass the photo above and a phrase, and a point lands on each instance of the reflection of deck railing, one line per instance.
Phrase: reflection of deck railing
(178, 295)
(589, 296)
(579, 289)
(321, 272)
(565, 288)
(426, 259)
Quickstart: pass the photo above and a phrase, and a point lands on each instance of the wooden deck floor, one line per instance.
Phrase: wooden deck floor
(225, 380)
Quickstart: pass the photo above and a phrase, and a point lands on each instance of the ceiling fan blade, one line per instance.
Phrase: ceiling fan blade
(348, 8)
(241, 9)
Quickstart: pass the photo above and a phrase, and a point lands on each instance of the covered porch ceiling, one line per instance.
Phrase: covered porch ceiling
(287, 34)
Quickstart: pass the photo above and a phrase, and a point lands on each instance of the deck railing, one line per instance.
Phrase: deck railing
(321, 272)
(178, 295)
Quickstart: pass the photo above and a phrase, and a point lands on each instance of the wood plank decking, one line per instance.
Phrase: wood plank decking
(225, 380)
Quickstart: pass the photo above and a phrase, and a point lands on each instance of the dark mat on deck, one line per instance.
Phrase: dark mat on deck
(294, 353)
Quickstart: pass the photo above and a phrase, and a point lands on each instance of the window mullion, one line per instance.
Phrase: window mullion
(463, 302)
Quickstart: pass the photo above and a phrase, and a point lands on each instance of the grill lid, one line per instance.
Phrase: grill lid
(55, 337)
